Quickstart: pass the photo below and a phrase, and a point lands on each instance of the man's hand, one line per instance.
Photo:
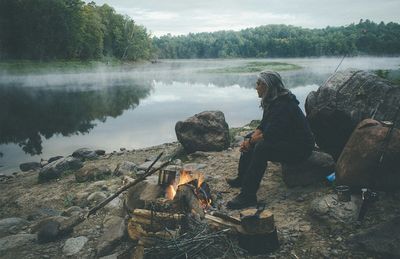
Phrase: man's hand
(245, 146)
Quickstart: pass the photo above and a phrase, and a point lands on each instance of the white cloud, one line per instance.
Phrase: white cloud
(184, 16)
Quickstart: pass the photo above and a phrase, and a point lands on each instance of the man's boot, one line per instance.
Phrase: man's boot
(234, 182)
(242, 201)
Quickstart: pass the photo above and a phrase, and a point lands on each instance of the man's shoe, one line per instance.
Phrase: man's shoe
(242, 201)
(234, 182)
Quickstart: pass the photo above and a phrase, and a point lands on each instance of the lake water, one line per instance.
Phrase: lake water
(57, 112)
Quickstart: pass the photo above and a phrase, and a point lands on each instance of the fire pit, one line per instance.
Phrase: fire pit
(178, 218)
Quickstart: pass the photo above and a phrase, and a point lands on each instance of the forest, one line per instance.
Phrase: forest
(67, 30)
(48, 30)
(364, 38)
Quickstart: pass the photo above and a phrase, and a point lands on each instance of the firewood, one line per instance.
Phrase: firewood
(263, 223)
(187, 201)
(138, 253)
(159, 215)
(219, 223)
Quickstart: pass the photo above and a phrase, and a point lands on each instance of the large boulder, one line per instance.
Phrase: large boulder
(206, 131)
(360, 163)
(311, 171)
(57, 168)
(345, 99)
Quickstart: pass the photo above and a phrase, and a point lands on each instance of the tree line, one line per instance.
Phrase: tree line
(366, 37)
(69, 29)
(73, 29)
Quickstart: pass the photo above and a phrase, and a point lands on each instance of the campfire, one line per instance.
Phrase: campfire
(195, 182)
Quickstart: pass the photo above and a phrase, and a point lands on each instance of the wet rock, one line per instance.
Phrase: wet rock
(16, 241)
(100, 152)
(114, 232)
(311, 171)
(55, 169)
(29, 166)
(343, 101)
(382, 240)
(328, 209)
(54, 158)
(74, 245)
(206, 131)
(92, 173)
(96, 197)
(11, 224)
(84, 153)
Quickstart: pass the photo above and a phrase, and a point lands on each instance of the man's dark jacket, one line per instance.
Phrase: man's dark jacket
(285, 127)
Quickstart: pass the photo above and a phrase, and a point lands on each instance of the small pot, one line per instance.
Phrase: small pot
(343, 193)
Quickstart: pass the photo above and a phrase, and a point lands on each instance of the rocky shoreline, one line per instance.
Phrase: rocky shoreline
(311, 222)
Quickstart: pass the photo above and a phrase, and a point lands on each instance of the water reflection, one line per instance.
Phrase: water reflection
(28, 114)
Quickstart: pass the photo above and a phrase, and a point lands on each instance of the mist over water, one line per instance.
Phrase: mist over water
(56, 112)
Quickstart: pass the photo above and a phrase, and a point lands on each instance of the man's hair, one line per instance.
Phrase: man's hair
(276, 88)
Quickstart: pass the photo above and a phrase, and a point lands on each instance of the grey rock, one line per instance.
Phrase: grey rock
(328, 209)
(55, 169)
(54, 158)
(125, 167)
(74, 245)
(16, 241)
(111, 256)
(43, 163)
(14, 224)
(100, 152)
(206, 131)
(29, 166)
(145, 165)
(114, 232)
(52, 228)
(84, 153)
(92, 173)
(143, 192)
(115, 207)
(313, 170)
(382, 240)
(73, 210)
(97, 197)
(344, 100)
(193, 166)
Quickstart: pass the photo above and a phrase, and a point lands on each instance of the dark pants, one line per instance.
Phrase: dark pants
(252, 164)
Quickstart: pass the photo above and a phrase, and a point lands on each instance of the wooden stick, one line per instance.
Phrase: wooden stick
(129, 185)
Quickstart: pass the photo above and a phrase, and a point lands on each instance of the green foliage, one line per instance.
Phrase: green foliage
(68, 29)
(255, 66)
(366, 37)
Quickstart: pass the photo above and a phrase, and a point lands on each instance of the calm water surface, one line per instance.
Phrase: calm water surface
(57, 112)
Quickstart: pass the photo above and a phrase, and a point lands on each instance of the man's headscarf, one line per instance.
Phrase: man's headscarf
(275, 86)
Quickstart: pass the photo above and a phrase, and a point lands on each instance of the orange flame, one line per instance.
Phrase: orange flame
(185, 177)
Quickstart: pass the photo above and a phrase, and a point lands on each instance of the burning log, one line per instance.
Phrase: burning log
(186, 200)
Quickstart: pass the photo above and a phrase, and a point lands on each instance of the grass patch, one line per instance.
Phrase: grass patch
(254, 67)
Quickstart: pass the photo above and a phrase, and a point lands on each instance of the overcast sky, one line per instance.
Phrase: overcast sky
(183, 16)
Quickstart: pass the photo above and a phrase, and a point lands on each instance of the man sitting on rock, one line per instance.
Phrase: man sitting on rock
(282, 136)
